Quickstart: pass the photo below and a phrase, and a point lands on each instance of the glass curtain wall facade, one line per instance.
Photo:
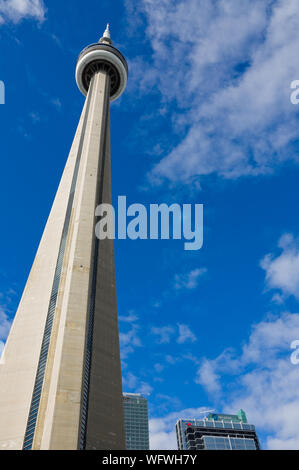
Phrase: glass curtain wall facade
(217, 432)
(136, 421)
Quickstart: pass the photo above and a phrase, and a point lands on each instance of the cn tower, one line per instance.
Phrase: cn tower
(60, 372)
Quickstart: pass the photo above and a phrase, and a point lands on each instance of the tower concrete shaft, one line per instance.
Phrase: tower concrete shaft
(60, 373)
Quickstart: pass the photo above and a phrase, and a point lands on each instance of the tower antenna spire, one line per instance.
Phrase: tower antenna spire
(106, 36)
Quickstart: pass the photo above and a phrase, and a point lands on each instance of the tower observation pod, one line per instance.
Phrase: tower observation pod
(60, 372)
(105, 58)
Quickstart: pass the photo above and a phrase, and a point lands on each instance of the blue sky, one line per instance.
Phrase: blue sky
(206, 118)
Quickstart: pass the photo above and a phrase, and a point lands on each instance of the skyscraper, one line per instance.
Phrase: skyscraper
(136, 421)
(217, 432)
(60, 374)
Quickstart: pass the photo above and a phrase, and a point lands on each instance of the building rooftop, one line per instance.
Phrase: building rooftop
(132, 394)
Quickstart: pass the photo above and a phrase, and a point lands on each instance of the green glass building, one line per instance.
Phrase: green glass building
(136, 421)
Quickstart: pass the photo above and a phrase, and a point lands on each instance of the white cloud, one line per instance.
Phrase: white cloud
(171, 359)
(158, 367)
(133, 384)
(129, 381)
(208, 377)
(162, 430)
(131, 318)
(35, 117)
(129, 341)
(261, 380)
(145, 389)
(56, 103)
(189, 280)
(16, 10)
(282, 271)
(227, 67)
(163, 334)
(185, 334)
(5, 324)
(167, 402)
